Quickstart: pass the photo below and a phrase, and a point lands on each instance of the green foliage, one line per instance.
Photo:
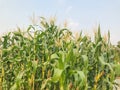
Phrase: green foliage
(46, 57)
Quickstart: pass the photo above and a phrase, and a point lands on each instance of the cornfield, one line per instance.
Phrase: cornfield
(48, 57)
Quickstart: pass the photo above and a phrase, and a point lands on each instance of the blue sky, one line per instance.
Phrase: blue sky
(83, 15)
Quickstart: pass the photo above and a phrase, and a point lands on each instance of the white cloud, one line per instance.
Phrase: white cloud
(73, 25)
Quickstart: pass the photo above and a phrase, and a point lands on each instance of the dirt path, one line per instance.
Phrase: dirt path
(117, 87)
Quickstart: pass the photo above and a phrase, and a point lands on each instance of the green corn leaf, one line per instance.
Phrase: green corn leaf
(82, 75)
(17, 81)
(14, 87)
(20, 75)
(54, 56)
(35, 64)
(57, 75)
(102, 60)
(117, 69)
(85, 58)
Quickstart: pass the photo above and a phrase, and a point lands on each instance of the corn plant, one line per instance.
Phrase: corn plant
(47, 57)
